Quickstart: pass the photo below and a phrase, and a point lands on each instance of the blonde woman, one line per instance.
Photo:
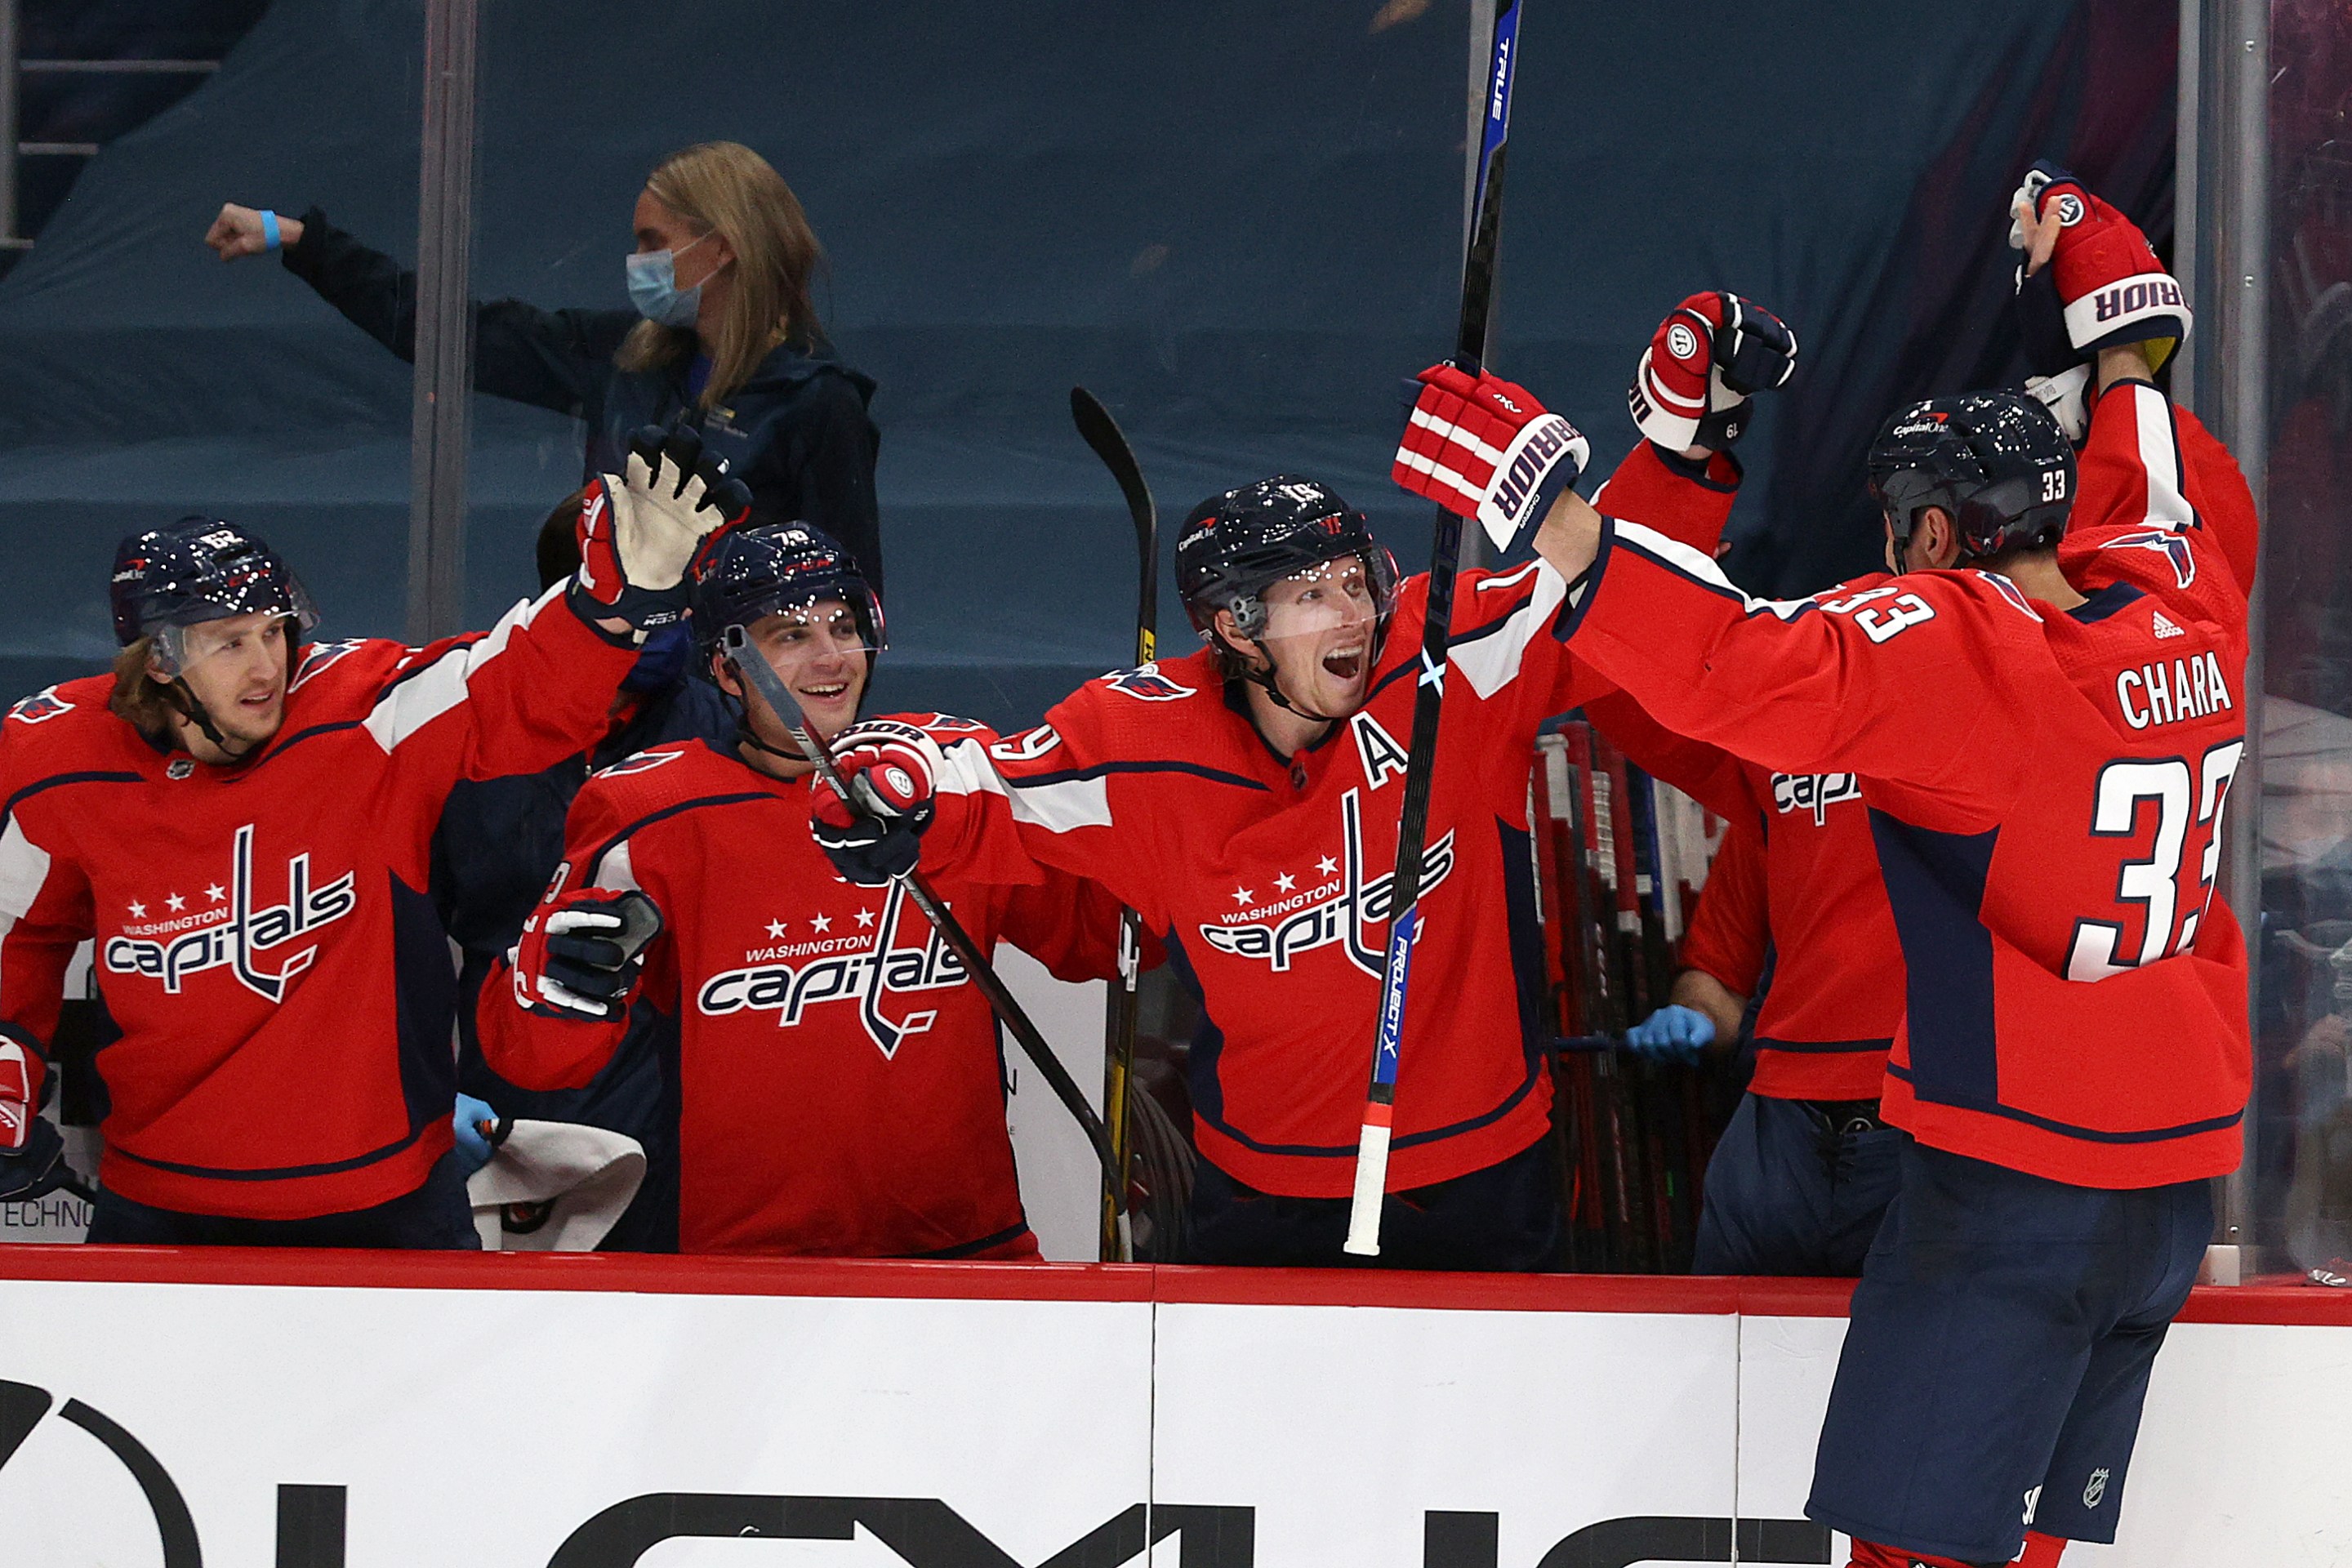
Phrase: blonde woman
(722, 332)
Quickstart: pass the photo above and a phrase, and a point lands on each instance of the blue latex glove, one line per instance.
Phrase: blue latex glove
(473, 1147)
(1673, 1033)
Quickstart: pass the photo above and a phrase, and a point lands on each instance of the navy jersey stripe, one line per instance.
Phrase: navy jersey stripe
(2068, 1129)
(1822, 1048)
(1102, 770)
(2106, 601)
(966, 1249)
(56, 781)
(641, 824)
(1934, 885)
(275, 1173)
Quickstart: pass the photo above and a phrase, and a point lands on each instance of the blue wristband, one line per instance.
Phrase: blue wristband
(270, 238)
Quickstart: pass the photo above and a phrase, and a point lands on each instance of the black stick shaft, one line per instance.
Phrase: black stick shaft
(1444, 558)
(1102, 433)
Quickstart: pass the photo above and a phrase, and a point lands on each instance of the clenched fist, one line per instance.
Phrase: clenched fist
(242, 231)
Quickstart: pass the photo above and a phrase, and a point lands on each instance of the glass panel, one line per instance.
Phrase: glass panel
(2303, 1143)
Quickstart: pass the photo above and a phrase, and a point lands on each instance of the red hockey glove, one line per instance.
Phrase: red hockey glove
(1483, 448)
(639, 533)
(1697, 382)
(32, 1152)
(580, 953)
(892, 771)
(2103, 287)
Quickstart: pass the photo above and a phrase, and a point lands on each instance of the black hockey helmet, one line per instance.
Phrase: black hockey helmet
(1997, 461)
(754, 573)
(196, 570)
(1234, 546)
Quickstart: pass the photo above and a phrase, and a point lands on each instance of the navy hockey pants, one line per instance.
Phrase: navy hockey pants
(1998, 1356)
(1502, 1219)
(1787, 1192)
(435, 1216)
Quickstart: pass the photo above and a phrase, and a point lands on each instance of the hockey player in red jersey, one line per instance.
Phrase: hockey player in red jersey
(2046, 763)
(1244, 800)
(241, 821)
(833, 1076)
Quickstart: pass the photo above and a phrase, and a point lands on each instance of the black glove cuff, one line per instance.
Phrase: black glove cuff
(2042, 325)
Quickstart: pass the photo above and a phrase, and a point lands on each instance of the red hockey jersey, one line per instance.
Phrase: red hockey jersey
(1837, 994)
(1728, 937)
(265, 937)
(1825, 1026)
(2046, 792)
(834, 1075)
(1267, 877)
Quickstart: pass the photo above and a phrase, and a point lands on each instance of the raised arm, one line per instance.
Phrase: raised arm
(553, 359)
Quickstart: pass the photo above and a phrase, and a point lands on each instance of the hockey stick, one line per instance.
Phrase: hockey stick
(1421, 758)
(752, 669)
(1101, 432)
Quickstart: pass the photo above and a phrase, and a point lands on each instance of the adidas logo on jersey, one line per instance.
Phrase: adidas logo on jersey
(2165, 629)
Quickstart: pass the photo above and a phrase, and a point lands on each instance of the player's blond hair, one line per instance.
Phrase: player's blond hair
(139, 698)
(724, 186)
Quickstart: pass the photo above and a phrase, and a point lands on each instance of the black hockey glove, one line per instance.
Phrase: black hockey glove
(582, 952)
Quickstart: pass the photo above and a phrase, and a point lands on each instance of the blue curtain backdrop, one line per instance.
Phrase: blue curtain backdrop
(1239, 224)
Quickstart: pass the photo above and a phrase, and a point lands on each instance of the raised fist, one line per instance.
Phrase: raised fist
(244, 231)
(2103, 287)
(1696, 382)
(638, 532)
(1483, 448)
(580, 952)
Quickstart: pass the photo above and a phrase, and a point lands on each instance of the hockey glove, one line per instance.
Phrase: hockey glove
(1696, 382)
(480, 1131)
(1673, 1033)
(32, 1152)
(1483, 448)
(638, 532)
(2103, 287)
(580, 953)
(892, 771)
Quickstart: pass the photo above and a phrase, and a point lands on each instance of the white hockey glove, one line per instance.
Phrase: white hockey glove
(639, 533)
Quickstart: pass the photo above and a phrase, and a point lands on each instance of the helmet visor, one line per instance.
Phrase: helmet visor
(1322, 624)
(178, 649)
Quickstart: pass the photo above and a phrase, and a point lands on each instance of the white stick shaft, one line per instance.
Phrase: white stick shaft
(1372, 1183)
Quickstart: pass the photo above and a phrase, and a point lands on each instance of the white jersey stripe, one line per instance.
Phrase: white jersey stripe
(425, 695)
(2160, 456)
(1492, 662)
(1065, 805)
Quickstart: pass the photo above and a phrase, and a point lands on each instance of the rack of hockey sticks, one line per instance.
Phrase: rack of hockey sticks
(1619, 862)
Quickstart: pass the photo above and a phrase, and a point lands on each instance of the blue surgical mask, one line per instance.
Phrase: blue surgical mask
(654, 290)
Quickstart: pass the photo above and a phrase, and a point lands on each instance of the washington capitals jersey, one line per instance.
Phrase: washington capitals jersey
(1728, 937)
(2046, 792)
(264, 933)
(833, 1074)
(1267, 877)
(1824, 1028)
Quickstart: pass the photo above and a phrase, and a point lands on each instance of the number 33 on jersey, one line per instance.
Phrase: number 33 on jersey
(2047, 790)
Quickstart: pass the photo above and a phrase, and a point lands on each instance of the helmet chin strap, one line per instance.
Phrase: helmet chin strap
(185, 701)
(1263, 679)
(794, 754)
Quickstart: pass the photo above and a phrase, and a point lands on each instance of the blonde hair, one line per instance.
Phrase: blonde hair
(139, 698)
(727, 187)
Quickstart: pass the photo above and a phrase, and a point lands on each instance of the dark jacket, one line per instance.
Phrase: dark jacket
(797, 432)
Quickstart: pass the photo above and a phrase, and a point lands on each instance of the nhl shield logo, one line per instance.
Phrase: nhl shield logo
(179, 768)
(2095, 1489)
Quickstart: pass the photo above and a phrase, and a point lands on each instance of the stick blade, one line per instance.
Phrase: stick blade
(1101, 432)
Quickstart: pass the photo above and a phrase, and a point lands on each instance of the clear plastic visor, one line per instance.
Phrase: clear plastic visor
(1331, 599)
(232, 642)
(799, 636)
